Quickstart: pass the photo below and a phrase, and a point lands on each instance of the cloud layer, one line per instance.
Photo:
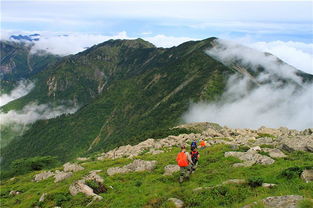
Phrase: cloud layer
(33, 112)
(23, 88)
(272, 104)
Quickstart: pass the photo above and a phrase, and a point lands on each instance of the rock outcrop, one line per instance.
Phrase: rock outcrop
(135, 166)
(72, 167)
(42, 176)
(307, 175)
(81, 187)
(170, 169)
(61, 175)
(250, 158)
(288, 201)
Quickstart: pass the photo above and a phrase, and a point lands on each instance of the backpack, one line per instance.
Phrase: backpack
(182, 160)
(193, 145)
(194, 156)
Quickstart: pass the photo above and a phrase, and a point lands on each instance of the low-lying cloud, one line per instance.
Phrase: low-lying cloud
(22, 89)
(273, 103)
(33, 112)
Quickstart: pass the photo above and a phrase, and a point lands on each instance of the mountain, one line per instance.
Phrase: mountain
(31, 37)
(238, 168)
(128, 91)
(18, 61)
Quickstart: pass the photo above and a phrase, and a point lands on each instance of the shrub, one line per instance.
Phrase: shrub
(305, 204)
(292, 172)
(60, 198)
(255, 182)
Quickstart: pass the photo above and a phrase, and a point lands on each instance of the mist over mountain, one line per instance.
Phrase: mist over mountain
(129, 90)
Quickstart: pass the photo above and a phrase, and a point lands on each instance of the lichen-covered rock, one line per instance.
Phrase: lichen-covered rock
(268, 185)
(251, 157)
(307, 175)
(289, 201)
(72, 167)
(80, 187)
(135, 166)
(60, 176)
(177, 202)
(94, 176)
(14, 193)
(300, 143)
(235, 181)
(43, 175)
(274, 153)
(170, 169)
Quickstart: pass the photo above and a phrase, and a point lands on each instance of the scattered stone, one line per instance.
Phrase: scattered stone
(60, 175)
(135, 166)
(256, 149)
(81, 187)
(307, 175)
(274, 153)
(235, 181)
(42, 176)
(43, 196)
(268, 185)
(72, 167)
(170, 169)
(289, 201)
(14, 193)
(177, 202)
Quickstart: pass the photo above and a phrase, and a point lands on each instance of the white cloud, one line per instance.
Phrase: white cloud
(273, 104)
(297, 54)
(22, 89)
(33, 112)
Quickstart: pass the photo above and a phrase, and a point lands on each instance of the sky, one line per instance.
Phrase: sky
(67, 27)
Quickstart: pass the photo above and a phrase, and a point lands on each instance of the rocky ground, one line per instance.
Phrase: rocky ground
(252, 147)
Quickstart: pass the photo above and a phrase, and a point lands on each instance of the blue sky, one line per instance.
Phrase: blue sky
(265, 20)
(283, 28)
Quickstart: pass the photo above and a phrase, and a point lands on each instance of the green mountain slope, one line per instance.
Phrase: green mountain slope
(18, 62)
(148, 89)
(129, 90)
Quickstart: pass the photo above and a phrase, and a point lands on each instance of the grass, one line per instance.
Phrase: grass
(152, 189)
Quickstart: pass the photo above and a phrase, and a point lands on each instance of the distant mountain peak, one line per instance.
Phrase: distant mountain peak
(30, 38)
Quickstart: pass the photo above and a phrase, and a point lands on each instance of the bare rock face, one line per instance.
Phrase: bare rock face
(170, 169)
(71, 167)
(289, 201)
(250, 158)
(307, 175)
(155, 152)
(177, 202)
(274, 153)
(60, 176)
(135, 166)
(42, 176)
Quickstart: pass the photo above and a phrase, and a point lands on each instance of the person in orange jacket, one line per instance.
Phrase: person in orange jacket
(202, 144)
(185, 163)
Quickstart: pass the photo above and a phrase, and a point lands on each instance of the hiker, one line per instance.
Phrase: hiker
(194, 158)
(193, 145)
(184, 161)
(202, 144)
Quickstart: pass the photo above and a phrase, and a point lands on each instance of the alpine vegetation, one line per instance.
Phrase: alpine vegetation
(265, 92)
